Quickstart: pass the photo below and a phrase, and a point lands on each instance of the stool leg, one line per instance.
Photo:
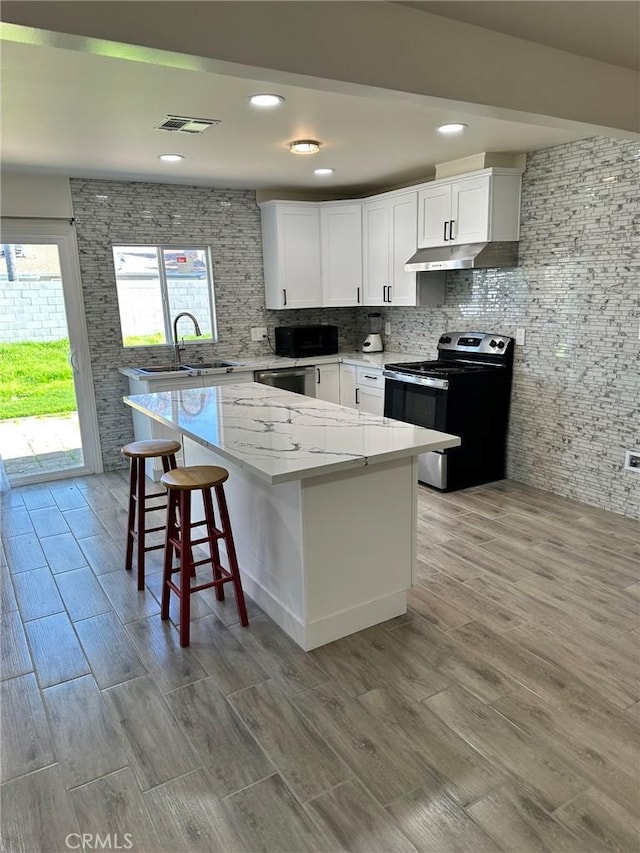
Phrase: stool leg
(186, 567)
(169, 536)
(131, 518)
(169, 464)
(231, 554)
(141, 521)
(214, 549)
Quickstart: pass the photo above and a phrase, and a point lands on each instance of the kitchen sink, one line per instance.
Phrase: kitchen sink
(209, 365)
(167, 368)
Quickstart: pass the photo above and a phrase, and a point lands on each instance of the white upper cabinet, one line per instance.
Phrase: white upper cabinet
(341, 253)
(375, 242)
(403, 240)
(470, 209)
(291, 249)
(389, 228)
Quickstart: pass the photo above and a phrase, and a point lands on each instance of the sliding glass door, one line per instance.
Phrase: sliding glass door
(48, 426)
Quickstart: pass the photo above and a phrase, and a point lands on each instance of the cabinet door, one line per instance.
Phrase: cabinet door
(434, 212)
(375, 240)
(299, 248)
(341, 243)
(470, 210)
(291, 248)
(403, 221)
(371, 400)
(348, 385)
(328, 383)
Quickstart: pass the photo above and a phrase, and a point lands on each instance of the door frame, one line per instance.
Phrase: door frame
(61, 232)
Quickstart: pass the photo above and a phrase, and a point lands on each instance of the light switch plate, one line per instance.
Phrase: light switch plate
(520, 336)
(387, 328)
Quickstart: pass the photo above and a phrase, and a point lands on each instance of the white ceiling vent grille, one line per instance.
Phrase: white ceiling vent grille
(185, 124)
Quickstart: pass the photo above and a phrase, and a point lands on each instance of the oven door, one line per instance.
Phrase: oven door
(418, 404)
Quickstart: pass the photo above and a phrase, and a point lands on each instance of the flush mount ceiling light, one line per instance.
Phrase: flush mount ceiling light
(304, 146)
(323, 172)
(171, 158)
(452, 129)
(266, 100)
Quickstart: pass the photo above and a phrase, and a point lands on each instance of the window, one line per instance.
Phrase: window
(155, 284)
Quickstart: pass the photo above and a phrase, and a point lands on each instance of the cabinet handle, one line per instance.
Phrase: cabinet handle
(318, 370)
(358, 299)
(446, 223)
(389, 293)
(284, 295)
(368, 376)
(451, 221)
(357, 397)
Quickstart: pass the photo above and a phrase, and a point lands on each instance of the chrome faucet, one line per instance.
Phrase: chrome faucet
(176, 345)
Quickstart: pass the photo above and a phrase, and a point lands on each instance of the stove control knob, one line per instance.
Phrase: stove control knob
(445, 339)
(493, 344)
(500, 344)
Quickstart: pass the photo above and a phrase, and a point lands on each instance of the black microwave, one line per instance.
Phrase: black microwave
(306, 341)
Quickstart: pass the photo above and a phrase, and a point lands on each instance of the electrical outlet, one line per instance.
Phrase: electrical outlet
(387, 328)
(258, 333)
(520, 335)
(632, 461)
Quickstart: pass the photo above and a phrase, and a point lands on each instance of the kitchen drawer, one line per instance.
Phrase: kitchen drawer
(371, 377)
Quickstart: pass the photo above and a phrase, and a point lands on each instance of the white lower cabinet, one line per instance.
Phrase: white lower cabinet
(348, 385)
(362, 388)
(370, 387)
(328, 383)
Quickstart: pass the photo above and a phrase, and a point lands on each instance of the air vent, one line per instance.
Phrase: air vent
(185, 124)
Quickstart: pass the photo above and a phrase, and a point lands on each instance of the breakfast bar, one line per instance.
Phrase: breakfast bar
(322, 500)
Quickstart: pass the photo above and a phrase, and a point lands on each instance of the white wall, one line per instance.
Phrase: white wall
(35, 195)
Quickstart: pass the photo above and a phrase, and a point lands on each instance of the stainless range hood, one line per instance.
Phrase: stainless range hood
(464, 256)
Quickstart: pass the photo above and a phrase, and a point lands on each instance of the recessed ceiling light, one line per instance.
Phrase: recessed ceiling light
(323, 172)
(171, 158)
(266, 100)
(455, 127)
(304, 146)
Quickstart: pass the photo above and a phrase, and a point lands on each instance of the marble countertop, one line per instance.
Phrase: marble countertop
(280, 436)
(272, 362)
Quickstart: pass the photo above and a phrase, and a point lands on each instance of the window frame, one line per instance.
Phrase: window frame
(167, 319)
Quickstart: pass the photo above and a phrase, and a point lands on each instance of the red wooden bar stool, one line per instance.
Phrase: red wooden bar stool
(180, 484)
(138, 452)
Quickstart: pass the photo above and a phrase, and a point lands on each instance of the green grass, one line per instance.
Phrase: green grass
(35, 379)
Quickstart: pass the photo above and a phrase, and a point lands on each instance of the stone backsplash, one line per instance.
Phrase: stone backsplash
(576, 292)
(575, 405)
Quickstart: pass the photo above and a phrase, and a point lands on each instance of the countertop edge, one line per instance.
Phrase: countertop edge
(274, 362)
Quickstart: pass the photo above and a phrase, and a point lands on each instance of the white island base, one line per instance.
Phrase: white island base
(327, 555)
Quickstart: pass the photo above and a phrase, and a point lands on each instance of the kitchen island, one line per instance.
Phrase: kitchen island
(322, 500)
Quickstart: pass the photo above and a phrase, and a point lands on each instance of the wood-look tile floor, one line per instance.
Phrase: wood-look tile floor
(500, 714)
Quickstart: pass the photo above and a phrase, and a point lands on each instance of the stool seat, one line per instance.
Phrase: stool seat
(180, 483)
(137, 529)
(150, 448)
(195, 477)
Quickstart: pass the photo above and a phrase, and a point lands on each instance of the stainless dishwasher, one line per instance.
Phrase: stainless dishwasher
(300, 380)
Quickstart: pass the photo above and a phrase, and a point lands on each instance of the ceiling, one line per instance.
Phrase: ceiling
(67, 112)
(608, 31)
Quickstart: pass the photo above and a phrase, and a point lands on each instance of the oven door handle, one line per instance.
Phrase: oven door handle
(427, 381)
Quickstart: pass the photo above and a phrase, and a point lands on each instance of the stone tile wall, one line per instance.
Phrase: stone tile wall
(125, 213)
(575, 402)
(576, 394)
